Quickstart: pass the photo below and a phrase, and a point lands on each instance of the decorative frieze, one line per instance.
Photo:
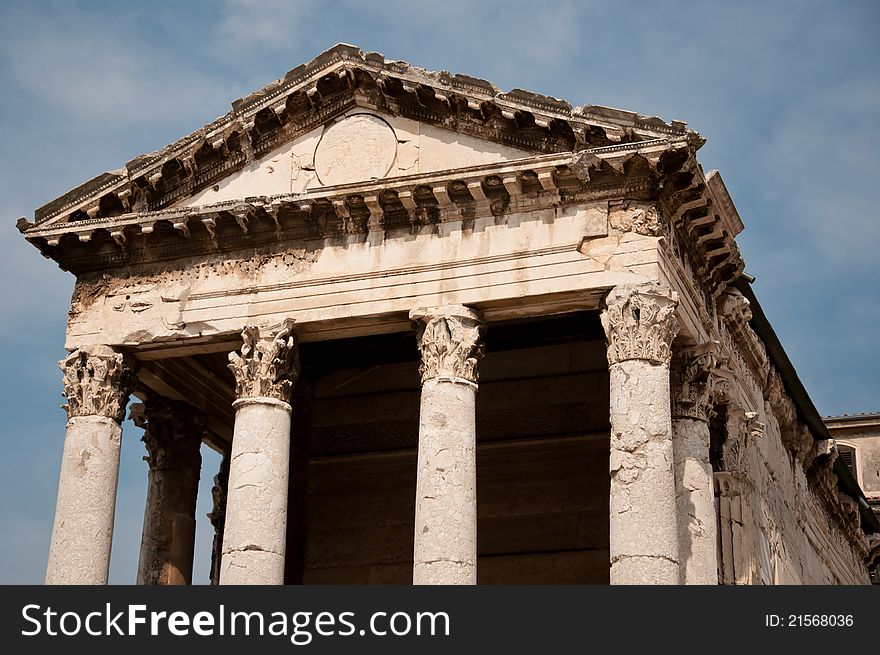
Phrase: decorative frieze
(334, 82)
(640, 323)
(641, 218)
(266, 366)
(739, 340)
(450, 340)
(96, 383)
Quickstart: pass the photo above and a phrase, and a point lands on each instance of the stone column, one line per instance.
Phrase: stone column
(640, 325)
(445, 545)
(255, 531)
(217, 516)
(173, 438)
(693, 387)
(97, 384)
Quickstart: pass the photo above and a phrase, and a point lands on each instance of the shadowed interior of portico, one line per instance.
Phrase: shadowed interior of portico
(542, 453)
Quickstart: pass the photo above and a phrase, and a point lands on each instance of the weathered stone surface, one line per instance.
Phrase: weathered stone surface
(698, 531)
(265, 367)
(445, 550)
(639, 323)
(97, 382)
(83, 531)
(694, 382)
(694, 389)
(644, 522)
(450, 342)
(446, 495)
(355, 189)
(173, 438)
(255, 530)
(358, 147)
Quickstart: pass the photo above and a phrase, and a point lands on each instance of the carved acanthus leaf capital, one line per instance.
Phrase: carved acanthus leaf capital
(780, 402)
(266, 366)
(734, 307)
(743, 430)
(172, 433)
(96, 383)
(694, 381)
(450, 340)
(639, 322)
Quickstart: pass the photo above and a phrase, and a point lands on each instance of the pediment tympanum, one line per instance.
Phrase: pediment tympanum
(358, 146)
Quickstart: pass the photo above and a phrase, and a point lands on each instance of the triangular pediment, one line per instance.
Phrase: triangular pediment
(344, 115)
(357, 146)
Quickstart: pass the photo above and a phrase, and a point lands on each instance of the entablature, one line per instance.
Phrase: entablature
(405, 204)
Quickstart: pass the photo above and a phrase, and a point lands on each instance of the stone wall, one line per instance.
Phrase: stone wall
(782, 519)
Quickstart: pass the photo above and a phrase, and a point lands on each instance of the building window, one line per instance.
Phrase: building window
(847, 453)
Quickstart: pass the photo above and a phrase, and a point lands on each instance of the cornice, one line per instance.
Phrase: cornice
(391, 207)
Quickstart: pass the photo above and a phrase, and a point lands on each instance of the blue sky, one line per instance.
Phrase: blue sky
(787, 93)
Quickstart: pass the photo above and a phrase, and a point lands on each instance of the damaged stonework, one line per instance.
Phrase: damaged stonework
(762, 441)
(641, 218)
(783, 518)
(265, 368)
(640, 325)
(173, 438)
(97, 384)
(255, 530)
(695, 387)
(445, 546)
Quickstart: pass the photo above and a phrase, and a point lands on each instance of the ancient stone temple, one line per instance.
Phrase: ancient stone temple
(441, 334)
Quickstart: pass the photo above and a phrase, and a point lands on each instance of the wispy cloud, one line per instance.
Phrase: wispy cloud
(249, 26)
(98, 69)
(819, 162)
(532, 39)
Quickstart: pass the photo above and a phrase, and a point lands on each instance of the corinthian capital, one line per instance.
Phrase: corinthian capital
(694, 381)
(172, 433)
(96, 383)
(267, 366)
(639, 323)
(450, 339)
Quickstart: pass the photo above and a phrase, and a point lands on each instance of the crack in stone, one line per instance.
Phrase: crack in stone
(618, 558)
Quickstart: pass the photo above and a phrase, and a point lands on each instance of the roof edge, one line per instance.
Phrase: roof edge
(806, 409)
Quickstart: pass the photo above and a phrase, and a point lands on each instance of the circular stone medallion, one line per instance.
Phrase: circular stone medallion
(359, 148)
